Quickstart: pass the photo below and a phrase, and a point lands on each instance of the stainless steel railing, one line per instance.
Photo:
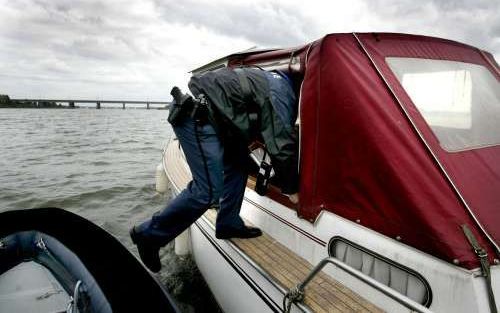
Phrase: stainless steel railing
(297, 293)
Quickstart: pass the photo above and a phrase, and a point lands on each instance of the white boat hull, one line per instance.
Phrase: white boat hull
(235, 284)
(240, 285)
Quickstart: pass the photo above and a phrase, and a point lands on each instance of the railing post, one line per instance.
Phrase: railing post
(98, 105)
(147, 106)
(297, 293)
(123, 105)
(71, 104)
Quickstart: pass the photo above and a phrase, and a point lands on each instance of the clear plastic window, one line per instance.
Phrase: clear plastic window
(460, 101)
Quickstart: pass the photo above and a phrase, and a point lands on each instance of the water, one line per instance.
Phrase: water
(99, 164)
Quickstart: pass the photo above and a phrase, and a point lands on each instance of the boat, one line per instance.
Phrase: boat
(52, 260)
(399, 184)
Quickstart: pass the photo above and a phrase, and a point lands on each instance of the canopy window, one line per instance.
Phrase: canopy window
(459, 101)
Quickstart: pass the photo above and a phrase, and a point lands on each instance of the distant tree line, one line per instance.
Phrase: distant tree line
(6, 102)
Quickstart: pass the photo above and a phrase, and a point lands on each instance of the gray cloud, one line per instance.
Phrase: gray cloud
(476, 22)
(139, 48)
(266, 24)
(60, 43)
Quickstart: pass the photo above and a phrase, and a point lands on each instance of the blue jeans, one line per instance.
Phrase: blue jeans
(283, 97)
(223, 170)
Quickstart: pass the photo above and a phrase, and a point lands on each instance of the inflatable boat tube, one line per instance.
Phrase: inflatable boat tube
(52, 260)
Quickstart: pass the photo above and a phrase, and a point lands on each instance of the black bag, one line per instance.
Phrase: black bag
(180, 107)
(263, 176)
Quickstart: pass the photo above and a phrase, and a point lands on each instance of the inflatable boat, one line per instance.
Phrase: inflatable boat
(52, 260)
(399, 184)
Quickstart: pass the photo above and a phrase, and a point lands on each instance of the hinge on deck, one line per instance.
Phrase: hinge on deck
(294, 295)
(297, 293)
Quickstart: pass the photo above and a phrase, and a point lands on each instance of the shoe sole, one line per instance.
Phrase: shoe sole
(133, 235)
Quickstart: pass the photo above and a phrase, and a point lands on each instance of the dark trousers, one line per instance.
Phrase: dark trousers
(227, 176)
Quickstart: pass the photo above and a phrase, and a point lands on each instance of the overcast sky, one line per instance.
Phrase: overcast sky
(139, 49)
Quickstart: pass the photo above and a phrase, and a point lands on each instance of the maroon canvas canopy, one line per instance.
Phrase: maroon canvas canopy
(368, 154)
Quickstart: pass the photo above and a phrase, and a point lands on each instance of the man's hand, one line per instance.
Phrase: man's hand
(294, 198)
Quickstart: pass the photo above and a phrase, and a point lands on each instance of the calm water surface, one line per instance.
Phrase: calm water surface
(99, 164)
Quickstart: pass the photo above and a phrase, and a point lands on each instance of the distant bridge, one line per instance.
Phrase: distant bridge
(98, 103)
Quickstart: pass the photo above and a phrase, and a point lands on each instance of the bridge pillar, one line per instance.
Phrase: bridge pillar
(147, 105)
(123, 105)
(98, 105)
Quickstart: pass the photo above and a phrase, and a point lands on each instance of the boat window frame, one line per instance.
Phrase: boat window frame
(415, 274)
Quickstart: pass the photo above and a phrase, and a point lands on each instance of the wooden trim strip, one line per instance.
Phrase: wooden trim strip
(250, 282)
(279, 218)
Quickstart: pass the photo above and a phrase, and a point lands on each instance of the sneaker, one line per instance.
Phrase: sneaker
(244, 232)
(148, 252)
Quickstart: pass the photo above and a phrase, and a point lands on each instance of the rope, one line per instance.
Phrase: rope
(294, 295)
(73, 303)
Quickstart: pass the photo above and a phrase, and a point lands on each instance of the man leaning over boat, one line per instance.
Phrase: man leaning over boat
(231, 109)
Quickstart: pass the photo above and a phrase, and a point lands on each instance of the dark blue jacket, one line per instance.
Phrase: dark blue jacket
(267, 112)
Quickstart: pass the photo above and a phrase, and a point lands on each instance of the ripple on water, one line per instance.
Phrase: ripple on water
(63, 154)
(100, 163)
(78, 175)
